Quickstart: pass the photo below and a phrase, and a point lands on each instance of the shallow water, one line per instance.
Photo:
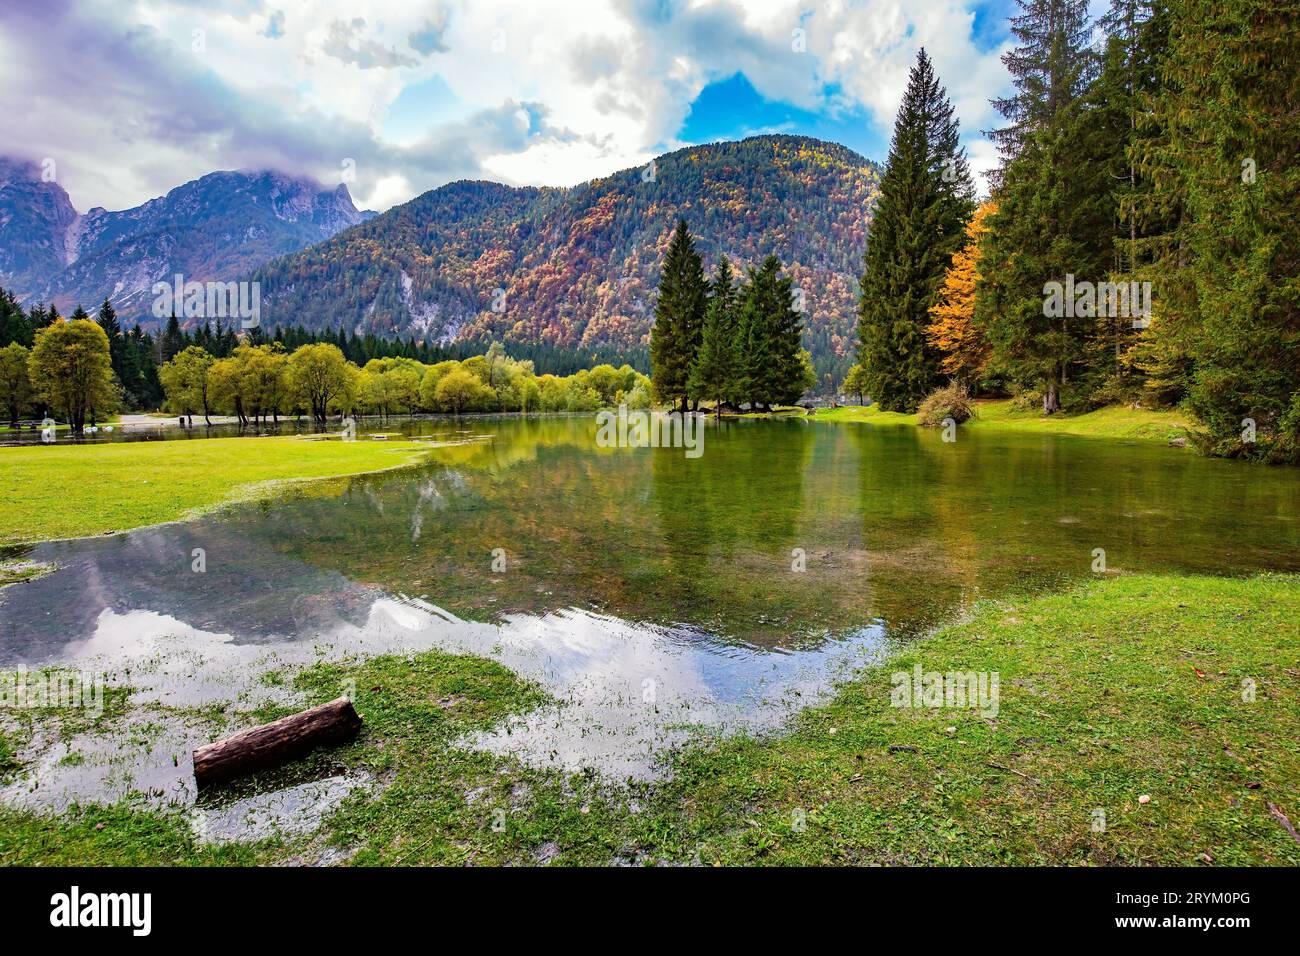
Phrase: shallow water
(653, 594)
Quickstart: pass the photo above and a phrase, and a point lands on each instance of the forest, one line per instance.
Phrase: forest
(1148, 174)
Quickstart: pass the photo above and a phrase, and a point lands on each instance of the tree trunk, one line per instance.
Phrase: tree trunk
(1051, 400)
(278, 742)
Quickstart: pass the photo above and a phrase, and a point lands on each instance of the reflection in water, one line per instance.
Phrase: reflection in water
(623, 691)
(650, 593)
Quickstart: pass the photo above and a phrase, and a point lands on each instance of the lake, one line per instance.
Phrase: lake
(655, 595)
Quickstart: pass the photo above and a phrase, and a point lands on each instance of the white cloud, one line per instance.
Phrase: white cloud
(303, 84)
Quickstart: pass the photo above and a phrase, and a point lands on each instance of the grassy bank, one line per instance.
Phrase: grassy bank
(68, 491)
(1126, 688)
(1113, 421)
(1123, 689)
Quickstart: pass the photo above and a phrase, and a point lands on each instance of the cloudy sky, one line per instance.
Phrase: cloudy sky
(133, 97)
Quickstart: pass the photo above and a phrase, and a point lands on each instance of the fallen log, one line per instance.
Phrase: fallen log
(270, 745)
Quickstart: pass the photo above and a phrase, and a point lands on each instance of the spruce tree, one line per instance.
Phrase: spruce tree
(1055, 219)
(770, 363)
(679, 317)
(713, 375)
(117, 346)
(1231, 281)
(925, 202)
(15, 325)
(1049, 68)
(173, 339)
(788, 384)
(1063, 156)
(753, 342)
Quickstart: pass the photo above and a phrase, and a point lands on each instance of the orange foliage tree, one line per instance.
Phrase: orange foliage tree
(952, 330)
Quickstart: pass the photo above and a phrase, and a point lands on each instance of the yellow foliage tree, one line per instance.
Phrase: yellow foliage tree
(952, 330)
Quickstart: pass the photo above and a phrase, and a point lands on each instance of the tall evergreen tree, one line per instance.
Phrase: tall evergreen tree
(1230, 281)
(679, 316)
(172, 340)
(143, 369)
(789, 382)
(1049, 68)
(117, 348)
(770, 365)
(15, 325)
(713, 375)
(1055, 222)
(925, 200)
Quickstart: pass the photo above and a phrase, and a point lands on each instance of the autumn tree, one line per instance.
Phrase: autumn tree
(855, 382)
(185, 382)
(460, 391)
(15, 384)
(72, 371)
(952, 330)
(317, 375)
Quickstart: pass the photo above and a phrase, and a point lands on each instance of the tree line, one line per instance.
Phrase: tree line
(725, 342)
(1141, 243)
(81, 379)
(260, 382)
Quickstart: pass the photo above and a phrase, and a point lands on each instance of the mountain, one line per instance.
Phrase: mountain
(219, 227)
(579, 266)
(35, 217)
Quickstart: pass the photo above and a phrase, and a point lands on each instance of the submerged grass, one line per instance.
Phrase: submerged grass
(17, 572)
(1124, 688)
(142, 483)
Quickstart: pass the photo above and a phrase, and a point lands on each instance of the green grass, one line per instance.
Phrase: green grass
(8, 759)
(1101, 703)
(110, 836)
(1113, 421)
(857, 413)
(142, 483)
(1126, 687)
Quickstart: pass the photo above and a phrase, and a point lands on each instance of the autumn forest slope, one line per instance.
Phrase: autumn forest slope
(578, 267)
